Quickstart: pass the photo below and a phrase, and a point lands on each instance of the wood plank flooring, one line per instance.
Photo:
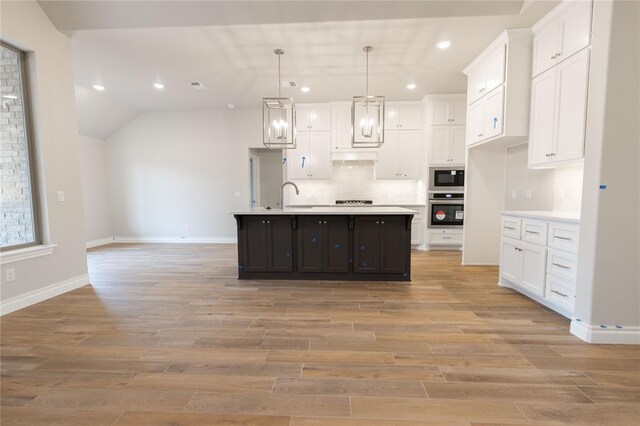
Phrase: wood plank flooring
(166, 335)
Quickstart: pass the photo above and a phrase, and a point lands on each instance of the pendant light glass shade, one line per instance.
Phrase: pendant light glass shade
(367, 117)
(279, 118)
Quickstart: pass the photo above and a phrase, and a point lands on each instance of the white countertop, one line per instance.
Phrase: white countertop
(546, 214)
(295, 205)
(327, 211)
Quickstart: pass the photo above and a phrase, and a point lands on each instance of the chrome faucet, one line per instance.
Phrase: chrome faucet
(282, 192)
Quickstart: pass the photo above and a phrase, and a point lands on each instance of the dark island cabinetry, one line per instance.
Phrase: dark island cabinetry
(266, 244)
(324, 247)
(382, 244)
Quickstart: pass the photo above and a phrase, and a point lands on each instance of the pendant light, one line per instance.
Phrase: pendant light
(367, 117)
(279, 118)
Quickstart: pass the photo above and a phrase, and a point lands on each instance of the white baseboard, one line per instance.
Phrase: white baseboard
(42, 294)
(610, 335)
(175, 240)
(100, 242)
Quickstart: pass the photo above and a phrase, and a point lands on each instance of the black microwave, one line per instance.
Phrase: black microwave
(448, 179)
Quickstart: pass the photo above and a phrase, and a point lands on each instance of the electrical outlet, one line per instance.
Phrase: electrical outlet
(10, 275)
(237, 195)
(187, 227)
(61, 196)
(528, 193)
(514, 194)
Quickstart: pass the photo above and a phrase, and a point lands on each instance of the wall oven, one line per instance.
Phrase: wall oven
(446, 210)
(446, 179)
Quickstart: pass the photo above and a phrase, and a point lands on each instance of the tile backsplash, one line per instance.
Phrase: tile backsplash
(355, 180)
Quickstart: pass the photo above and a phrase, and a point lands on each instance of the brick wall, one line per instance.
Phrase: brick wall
(16, 219)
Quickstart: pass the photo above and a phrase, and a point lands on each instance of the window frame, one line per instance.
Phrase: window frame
(30, 145)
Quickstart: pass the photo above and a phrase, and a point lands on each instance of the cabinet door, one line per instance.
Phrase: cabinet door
(391, 117)
(341, 130)
(320, 155)
(302, 119)
(279, 236)
(494, 114)
(417, 232)
(541, 122)
(393, 244)
(572, 83)
(298, 159)
(476, 83)
(494, 68)
(475, 123)
(410, 117)
(458, 111)
(366, 239)
(387, 164)
(310, 243)
(457, 146)
(533, 268)
(574, 28)
(510, 261)
(254, 244)
(336, 254)
(545, 47)
(409, 157)
(320, 119)
(439, 145)
(439, 112)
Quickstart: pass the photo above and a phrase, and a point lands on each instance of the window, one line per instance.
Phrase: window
(19, 221)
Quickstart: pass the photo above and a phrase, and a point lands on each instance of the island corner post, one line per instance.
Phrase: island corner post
(319, 246)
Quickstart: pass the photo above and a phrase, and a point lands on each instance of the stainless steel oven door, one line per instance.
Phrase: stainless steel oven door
(446, 213)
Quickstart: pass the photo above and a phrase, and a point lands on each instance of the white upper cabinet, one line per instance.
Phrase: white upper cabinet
(563, 32)
(498, 90)
(447, 145)
(316, 118)
(559, 94)
(447, 112)
(341, 128)
(400, 155)
(402, 116)
(311, 159)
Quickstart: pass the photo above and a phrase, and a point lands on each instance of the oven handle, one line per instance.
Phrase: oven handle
(447, 201)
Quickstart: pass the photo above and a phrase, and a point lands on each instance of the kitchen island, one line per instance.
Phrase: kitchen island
(325, 243)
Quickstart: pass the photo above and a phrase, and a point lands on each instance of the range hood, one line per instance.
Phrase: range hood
(354, 155)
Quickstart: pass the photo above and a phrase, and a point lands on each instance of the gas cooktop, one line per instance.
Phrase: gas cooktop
(353, 202)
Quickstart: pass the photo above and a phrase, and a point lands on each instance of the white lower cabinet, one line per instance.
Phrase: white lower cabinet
(524, 264)
(531, 261)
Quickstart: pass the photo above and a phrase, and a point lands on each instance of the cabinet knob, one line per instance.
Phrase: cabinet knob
(377, 221)
(264, 221)
(382, 222)
(320, 221)
(325, 222)
(268, 221)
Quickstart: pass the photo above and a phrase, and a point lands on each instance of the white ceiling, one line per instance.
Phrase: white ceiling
(237, 64)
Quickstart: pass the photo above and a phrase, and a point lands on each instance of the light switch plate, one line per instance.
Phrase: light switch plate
(61, 196)
(10, 275)
(514, 194)
(529, 193)
(237, 195)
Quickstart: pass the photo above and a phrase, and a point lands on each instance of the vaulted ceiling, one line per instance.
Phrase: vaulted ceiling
(228, 47)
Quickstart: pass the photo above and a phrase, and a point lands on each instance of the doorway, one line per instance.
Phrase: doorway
(266, 173)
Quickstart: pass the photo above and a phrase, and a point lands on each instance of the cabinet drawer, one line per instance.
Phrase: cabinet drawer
(534, 231)
(511, 227)
(561, 292)
(562, 264)
(564, 236)
(445, 237)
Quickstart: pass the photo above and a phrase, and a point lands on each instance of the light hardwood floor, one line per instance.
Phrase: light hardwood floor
(167, 335)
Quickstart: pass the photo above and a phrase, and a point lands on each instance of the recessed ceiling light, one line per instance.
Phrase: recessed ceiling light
(98, 87)
(411, 86)
(231, 106)
(305, 89)
(158, 86)
(444, 44)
